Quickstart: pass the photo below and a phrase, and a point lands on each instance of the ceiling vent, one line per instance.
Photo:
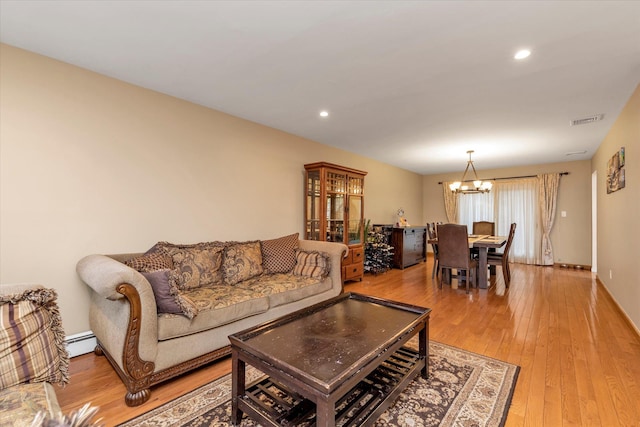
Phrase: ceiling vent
(586, 120)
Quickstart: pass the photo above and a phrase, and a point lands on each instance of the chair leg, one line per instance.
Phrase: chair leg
(435, 267)
(506, 272)
(467, 279)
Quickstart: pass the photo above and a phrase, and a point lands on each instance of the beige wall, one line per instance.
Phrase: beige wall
(89, 164)
(570, 236)
(618, 213)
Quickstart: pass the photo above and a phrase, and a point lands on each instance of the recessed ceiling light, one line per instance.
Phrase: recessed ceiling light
(324, 114)
(521, 54)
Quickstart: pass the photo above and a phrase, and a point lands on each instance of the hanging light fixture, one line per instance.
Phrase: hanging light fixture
(478, 185)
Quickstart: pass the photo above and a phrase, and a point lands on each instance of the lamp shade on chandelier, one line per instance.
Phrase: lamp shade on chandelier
(463, 186)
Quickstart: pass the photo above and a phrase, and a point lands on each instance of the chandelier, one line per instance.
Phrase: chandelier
(478, 185)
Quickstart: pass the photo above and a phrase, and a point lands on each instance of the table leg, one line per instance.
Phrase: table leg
(325, 413)
(423, 348)
(482, 268)
(237, 386)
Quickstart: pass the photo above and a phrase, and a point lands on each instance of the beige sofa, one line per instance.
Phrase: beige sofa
(32, 354)
(146, 348)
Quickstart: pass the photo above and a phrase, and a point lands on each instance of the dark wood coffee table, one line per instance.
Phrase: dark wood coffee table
(341, 361)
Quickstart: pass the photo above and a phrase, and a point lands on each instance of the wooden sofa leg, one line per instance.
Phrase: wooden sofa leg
(138, 398)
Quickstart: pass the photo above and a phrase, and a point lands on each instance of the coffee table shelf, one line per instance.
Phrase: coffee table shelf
(274, 402)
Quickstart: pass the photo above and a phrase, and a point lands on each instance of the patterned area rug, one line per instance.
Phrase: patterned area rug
(463, 389)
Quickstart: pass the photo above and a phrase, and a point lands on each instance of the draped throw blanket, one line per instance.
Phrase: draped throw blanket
(547, 196)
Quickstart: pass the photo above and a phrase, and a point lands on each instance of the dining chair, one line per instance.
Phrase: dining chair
(484, 228)
(502, 259)
(453, 252)
(432, 234)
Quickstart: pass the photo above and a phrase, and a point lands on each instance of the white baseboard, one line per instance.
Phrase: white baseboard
(82, 343)
(624, 313)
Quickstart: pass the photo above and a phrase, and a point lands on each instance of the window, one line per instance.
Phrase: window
(509, 201)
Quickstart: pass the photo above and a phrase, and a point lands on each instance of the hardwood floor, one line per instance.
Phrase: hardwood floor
(579, 358)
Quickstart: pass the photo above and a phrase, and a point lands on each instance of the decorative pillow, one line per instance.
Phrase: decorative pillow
(170, 248)
(187, 305)
(196, 266)
(32, 345)
(165, 302)
(312, 264)
(279, 255)
(151, 261)
(242, 261)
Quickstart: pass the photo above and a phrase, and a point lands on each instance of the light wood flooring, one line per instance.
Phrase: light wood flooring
(579, 357)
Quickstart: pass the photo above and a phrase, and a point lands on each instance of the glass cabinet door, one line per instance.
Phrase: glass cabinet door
(335, 217)
(314, 205)
(355, 220)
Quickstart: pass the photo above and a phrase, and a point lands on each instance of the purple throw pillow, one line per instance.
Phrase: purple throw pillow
(159, 281)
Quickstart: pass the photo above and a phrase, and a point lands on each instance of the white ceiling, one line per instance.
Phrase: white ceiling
(410, 83)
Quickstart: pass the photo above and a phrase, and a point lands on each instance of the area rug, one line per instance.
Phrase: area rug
(463, 389)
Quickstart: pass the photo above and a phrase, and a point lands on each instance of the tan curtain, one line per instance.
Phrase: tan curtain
(548, 193)
(450, 202)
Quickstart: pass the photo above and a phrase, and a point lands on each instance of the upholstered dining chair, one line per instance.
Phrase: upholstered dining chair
(502, 259)
(484, 228)
(453, 252)
(432, 234)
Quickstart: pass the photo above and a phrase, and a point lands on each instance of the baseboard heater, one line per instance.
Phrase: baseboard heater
(82, 343)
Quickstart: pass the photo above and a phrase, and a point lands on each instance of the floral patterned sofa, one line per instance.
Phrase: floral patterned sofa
(32, 354)
(171, 309)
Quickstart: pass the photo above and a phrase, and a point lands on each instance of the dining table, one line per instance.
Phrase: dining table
(483, 243)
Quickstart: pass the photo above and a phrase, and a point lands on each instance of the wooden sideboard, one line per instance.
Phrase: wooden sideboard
(409, 244)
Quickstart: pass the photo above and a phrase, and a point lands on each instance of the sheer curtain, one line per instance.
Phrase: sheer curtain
(509, 201)
(475, 207)
(517, 201)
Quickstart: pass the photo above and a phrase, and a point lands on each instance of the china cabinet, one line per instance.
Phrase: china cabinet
(334, 211)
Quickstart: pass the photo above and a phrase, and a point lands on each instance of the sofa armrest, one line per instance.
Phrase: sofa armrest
(104, 274)
(123, 316)
(336, 252)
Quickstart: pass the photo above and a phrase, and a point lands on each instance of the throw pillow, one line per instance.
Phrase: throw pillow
(187, 305)
(151, 261)
(242, 261)
(165, 302)
(279, 255)
(197, 266)
(170, 248)
(32, 347)
(312, 264)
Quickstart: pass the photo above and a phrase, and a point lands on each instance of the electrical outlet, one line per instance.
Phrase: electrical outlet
(563, 214)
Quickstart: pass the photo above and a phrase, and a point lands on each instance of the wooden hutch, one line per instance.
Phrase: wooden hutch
(334, 211)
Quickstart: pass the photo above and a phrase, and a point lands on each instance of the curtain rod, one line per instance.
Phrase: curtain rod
(510, 177)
